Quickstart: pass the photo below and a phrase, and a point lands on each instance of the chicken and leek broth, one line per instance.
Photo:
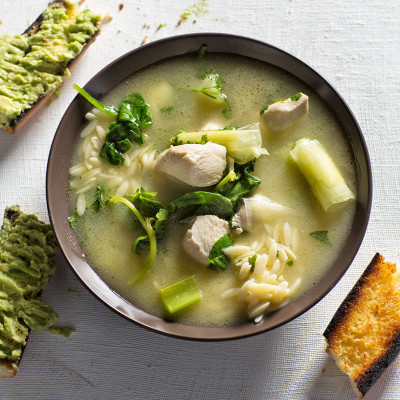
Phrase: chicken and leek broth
(279, 238)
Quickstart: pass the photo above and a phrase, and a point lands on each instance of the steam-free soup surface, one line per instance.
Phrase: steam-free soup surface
(107, 236)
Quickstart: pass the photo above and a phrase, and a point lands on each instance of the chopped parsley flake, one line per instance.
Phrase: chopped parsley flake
(321, 236)
(252, 261)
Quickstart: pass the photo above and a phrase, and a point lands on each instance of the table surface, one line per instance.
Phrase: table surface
(356, 46)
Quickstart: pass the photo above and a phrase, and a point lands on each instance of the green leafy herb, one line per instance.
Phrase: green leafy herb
(73, 219)
(101, 197)
(204, 139)
(217, 257)
(72, 291)
(202, 51)
(159, 224)
(148, 207)
(112, 111)
(277, 253)
(321, 236)
(162, 25)
(200, 203)
(252, 261)
(214, 91)
(166, 110)
(63, 331)
(147, 226)
(132, 115)
(296, 96)
(243, 184)
(290, 263)
(180, 295)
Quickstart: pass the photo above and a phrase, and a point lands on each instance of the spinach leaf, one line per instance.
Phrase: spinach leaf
(200, 203)
(145, 203)
(159, 225)
(217, 257)
(244, 183)
(150, 208)
(134, 109)
(133, 115)
(101, 197)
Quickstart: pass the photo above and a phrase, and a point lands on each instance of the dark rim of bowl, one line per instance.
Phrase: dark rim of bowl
(137, 59)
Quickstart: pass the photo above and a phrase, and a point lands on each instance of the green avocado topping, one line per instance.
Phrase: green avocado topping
(33, 64)
(27, 249)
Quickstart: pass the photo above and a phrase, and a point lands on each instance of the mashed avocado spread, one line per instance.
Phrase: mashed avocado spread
(27, 249)
(32, 64)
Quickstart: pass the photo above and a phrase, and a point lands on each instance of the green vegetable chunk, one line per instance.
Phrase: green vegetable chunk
(243, 144)
(217, 257)
(180, 295)
(321, 236)
(327, 183)
(201, 203)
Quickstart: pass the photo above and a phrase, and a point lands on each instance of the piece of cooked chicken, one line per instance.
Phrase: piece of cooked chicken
(256, 210)
(195, 164)
(203, 234)
(281, 115)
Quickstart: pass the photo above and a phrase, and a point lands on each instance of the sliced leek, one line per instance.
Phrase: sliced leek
(243, 145)
(180, 295)
(326, 181)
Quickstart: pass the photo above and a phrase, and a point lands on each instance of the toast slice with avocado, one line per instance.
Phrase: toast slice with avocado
(33, 65)
(27, 250)
(364, 334)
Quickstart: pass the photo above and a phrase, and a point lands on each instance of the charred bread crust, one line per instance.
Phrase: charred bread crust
(26, 115)
(365, 375)
(344, 309)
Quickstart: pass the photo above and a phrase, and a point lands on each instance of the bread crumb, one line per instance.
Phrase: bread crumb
(144, 40)
(121, 6)
(107, 18)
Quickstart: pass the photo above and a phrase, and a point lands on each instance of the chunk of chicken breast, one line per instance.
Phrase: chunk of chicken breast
(195, 164)
(256, 210)
(283, 114)
(203, 234)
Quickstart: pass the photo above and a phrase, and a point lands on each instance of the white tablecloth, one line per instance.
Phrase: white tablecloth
(356, 46)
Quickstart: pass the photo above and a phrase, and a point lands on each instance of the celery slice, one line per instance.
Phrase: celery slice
(243, 145)
(326, 181)
(180, 295)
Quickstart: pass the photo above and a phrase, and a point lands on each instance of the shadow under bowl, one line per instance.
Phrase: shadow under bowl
(66, 137)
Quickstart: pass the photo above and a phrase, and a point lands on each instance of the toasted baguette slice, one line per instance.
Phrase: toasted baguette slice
(27, 114)
(364, 334)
